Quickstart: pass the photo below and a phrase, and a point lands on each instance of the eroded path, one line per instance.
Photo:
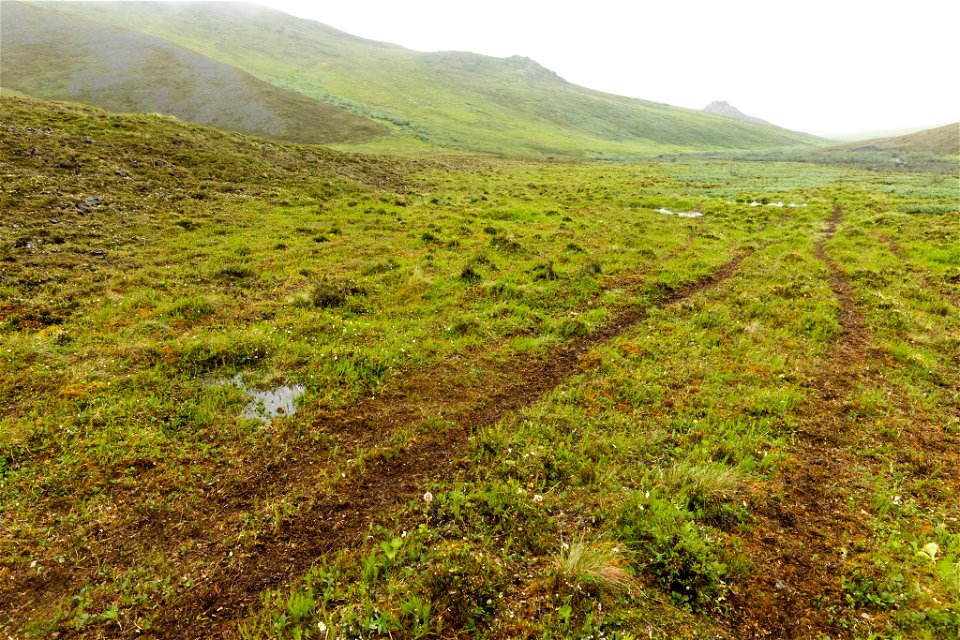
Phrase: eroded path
(342, 520)
(798, 541)
(472, 389)
(806, 531)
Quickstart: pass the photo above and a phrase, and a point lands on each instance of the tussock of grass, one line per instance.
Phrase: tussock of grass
(705, 482)
(593, 564)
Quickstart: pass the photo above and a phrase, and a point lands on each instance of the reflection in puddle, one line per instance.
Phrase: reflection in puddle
(682, 214)
(267, 404)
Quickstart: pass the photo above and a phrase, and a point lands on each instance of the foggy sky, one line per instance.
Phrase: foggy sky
(817, 66)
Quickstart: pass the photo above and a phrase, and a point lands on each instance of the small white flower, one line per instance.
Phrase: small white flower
(538, 498)
(428, 497)
(321, 626)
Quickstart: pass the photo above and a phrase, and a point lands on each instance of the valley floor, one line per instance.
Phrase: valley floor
(538, 401)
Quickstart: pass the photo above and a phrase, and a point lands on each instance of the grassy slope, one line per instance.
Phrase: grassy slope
(456, 100)
(941, 141)
(48, 54)
(12, 93)
(130, 482)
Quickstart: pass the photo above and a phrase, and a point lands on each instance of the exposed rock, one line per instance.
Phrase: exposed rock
(724, 108)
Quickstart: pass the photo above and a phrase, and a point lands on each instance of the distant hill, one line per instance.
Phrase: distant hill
(452, 100)
(51, 55)
(856, 136)
(941, 141)
(724, 108)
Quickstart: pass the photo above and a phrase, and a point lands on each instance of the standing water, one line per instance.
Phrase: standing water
(267, 404)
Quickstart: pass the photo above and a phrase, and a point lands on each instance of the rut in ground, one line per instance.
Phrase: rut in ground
(212, 610)
(207, 526)
(796, 544)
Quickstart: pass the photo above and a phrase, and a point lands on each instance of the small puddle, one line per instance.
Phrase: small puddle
(267, 404)
(682, 214)
(777, 204)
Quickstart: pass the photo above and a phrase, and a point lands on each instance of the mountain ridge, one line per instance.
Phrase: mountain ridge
(452, 100)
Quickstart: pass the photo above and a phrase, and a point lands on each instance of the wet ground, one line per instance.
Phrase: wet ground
(267, 404)
(682, 214)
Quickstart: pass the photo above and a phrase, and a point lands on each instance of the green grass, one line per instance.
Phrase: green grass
(144, 262)
(50, 55)
(450, 100)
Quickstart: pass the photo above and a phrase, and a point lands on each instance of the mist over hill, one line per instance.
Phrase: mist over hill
(52, 55)
(254, 69)
(942, 141)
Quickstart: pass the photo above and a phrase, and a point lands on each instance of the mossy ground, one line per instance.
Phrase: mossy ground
(459, 326)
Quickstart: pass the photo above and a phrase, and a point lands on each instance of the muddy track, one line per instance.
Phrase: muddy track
(212, 609)
(797, 540)
(445, 391)
(442, 391)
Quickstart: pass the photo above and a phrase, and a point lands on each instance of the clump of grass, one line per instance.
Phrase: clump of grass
(682, 557)
(705, 483)
(505, 244)
(381, 267)
(592, 268)
(592, 565)
(573, 328)
(544, 271)
(470, 274)
(235, 273)
(331, 294)
(188, 225)
(191, 308)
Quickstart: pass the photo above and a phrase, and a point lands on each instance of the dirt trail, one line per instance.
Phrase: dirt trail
(797, 542)
(447, 391)
(212, 609)
(453, 388)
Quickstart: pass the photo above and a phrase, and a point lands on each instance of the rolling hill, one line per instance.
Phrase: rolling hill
(51, 55)
(453, 100)
(941, 141)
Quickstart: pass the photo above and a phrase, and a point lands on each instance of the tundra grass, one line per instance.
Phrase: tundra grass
(145, 262)
(616, 506)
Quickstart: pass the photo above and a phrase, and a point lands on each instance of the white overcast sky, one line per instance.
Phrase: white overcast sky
(822, 66)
